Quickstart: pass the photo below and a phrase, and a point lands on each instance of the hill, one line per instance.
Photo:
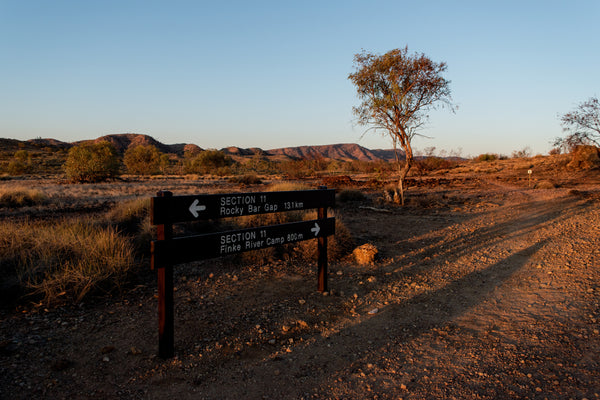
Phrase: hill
(344, 152)
(124, 140)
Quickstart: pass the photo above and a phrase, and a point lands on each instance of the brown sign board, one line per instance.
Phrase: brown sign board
(220, 244)
(214, 206)
(168, 251)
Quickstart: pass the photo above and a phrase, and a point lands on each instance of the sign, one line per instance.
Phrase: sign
(200, 247)
(214, 206)
(168, 251)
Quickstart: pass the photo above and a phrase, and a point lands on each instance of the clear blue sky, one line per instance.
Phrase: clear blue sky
(274, 73)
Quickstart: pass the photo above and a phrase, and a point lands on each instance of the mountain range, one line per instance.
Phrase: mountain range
(342, 152)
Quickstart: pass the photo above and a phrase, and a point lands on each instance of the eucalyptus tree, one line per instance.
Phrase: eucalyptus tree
(397, 90)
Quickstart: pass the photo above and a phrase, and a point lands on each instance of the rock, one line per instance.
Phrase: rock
(107, 349)
(365, 254)
(545, 185)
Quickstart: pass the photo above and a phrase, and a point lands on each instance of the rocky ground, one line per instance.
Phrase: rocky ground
(485, 288)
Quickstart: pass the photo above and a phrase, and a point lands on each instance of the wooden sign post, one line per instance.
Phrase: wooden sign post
(168, 251)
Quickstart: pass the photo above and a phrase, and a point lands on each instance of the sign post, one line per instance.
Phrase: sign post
(168, 251)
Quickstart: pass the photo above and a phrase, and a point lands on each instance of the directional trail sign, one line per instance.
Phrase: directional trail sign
(168, 251)
(190, 248)
(214, 206)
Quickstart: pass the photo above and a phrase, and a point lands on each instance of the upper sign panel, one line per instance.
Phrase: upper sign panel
(213, 206)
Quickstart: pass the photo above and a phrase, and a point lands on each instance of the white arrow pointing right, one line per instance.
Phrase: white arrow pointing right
(316, 229)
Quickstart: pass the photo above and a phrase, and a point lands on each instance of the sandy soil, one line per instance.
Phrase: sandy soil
(485, 289)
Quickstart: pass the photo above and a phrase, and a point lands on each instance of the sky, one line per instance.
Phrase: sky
(274, 74)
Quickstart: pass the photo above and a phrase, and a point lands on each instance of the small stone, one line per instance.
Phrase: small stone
(302, 301)
(374, 311)
(105, 359)
(272, 341)
(339, 272)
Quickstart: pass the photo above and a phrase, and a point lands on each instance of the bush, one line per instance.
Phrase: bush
(20, 164)
(209, 161)
(487, 157)
(142, 160)
(92, 162)
(347, 195)
(433, 164)
(248, 179)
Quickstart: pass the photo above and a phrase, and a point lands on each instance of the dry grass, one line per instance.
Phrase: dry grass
(21, 197)
(67, 259)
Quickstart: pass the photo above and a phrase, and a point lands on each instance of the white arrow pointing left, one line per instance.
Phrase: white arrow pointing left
(194, 208)
(316, 229)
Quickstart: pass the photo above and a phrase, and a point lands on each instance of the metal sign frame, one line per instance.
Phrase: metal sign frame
(167, 251)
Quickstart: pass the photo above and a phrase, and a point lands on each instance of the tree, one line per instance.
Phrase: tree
(142, 160)
(209, 161)
(397, 90)
(583, 125)
(92, 162)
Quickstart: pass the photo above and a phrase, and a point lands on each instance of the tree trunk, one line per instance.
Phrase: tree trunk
(404, 173)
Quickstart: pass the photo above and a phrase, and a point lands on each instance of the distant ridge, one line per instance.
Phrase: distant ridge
(344, 152)
(122, 141)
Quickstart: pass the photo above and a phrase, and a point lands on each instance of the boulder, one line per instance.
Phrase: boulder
(365, 254)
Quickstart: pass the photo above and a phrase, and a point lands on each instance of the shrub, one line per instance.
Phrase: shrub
(142, 160)
(92, 162)
(433, 164)
(209, 161)
(487, 157)
(523, 153)
(347, 195)
(248, 179)
(21, 163)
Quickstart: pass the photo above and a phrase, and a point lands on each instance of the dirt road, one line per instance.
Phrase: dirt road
(483, 293)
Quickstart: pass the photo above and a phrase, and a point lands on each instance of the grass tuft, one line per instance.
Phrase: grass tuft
(21, 197)
(65, 260)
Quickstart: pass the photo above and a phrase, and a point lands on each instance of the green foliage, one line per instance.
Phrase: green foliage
(397, 90)
(260, 164)
(21, 163)
(142, 160)
(92, 162)
(487, 157)
(209, 161)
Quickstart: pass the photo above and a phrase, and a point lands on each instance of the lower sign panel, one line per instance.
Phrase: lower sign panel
(191, 248)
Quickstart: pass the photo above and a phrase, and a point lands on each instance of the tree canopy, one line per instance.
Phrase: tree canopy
(92, 162)
(582, 125)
